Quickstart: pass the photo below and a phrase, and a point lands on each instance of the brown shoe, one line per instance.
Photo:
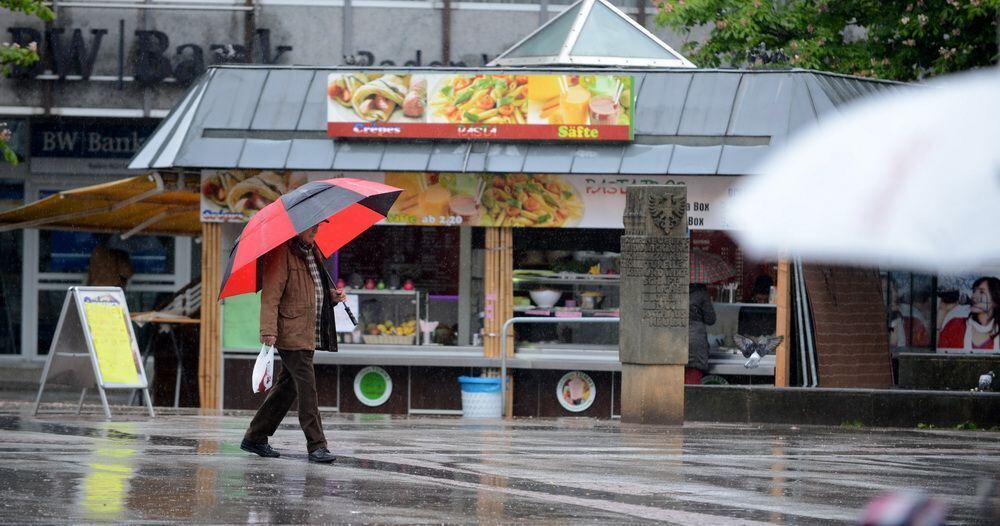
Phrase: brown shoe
(322, 456)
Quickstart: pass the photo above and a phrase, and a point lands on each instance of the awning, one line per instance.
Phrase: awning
(147, 204)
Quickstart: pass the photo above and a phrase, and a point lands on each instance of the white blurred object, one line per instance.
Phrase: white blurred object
(753, 361)
(986, 381)
(545, 298)
(428, 327)
(908, 179)
(904, 508)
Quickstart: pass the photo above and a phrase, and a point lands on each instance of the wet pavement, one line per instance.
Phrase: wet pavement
(60, 468)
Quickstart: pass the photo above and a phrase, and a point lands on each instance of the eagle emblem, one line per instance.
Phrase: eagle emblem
(666, 210)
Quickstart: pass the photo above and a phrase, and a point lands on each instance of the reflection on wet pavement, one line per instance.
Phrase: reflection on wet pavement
(69, 469)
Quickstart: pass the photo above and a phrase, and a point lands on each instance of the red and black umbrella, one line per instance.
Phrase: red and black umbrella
(709, 268)
(343, 208)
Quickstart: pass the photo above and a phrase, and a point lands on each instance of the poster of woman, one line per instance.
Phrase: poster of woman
(971, 327)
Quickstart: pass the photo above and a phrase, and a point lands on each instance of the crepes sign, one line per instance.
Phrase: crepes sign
(488, 106)
(232, 196)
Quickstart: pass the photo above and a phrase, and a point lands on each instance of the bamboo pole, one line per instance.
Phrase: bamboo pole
(210, 356)
(783, 323)
(499, 290)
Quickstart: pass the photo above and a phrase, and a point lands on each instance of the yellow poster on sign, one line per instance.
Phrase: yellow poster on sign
(112, 343)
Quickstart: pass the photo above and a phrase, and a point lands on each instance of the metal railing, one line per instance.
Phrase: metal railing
(503, 345)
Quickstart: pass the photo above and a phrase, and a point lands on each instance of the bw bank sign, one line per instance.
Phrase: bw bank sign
(150, 58)
(89, 139)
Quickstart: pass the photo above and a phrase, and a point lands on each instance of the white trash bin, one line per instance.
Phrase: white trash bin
(480, 397)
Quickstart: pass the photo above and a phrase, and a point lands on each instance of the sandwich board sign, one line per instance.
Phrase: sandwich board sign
(95, 346)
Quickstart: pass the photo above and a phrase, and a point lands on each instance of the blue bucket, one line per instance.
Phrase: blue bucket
(480, 397)
(471, 384)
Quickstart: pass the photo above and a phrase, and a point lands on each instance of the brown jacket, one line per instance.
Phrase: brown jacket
(288, 302)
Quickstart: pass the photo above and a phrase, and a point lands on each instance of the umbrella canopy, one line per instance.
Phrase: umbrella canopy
(910, 179)
(343, 208)
(708, 268)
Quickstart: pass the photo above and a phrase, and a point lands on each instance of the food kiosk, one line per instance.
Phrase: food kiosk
(514, 179)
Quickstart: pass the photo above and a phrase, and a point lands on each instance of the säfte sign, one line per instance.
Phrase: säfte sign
(480, 106)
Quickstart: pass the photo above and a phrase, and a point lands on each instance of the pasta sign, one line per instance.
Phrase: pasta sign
(489, 106)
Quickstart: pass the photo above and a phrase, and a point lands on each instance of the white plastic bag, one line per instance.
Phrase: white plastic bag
(263, 370)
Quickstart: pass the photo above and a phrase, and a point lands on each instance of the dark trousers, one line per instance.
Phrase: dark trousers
(297, 378)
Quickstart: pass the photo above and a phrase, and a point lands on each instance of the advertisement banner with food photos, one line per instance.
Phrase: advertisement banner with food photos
(489, 106)
(232, 196)
(453, 199)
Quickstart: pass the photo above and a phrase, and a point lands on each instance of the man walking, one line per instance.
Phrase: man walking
(296, 316)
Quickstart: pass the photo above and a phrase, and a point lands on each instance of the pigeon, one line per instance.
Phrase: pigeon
(986, 381)
(756, 348)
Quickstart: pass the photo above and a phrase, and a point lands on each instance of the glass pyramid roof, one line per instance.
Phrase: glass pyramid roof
(592, 33)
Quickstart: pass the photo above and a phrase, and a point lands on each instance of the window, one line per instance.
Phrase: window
(11, 249)
(69, 252)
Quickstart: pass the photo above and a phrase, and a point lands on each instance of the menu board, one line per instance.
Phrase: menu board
(112, 343)
(480, 106)
(94, 346)
(107, 324)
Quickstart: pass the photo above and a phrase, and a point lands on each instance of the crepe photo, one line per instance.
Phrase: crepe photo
(231, 195)
(376, 97)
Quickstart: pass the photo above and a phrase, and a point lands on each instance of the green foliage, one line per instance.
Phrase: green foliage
(851, 424)
(968, 425)
(29, 7)
(901, 40)
(8, 154)
(15, 55)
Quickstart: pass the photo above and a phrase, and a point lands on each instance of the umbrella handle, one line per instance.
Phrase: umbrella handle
(350, 314)
(346, 308)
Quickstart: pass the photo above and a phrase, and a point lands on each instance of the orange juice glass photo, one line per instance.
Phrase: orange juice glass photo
(574, 104)
(434, 200)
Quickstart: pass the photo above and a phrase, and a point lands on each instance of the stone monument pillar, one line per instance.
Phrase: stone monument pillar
(653, 335)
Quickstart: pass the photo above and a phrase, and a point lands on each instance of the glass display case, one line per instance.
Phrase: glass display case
(566, 295)
(385, 317)
(566, 273)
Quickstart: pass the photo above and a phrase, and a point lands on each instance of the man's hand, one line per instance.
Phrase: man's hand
(268, 340)
(338, 295)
